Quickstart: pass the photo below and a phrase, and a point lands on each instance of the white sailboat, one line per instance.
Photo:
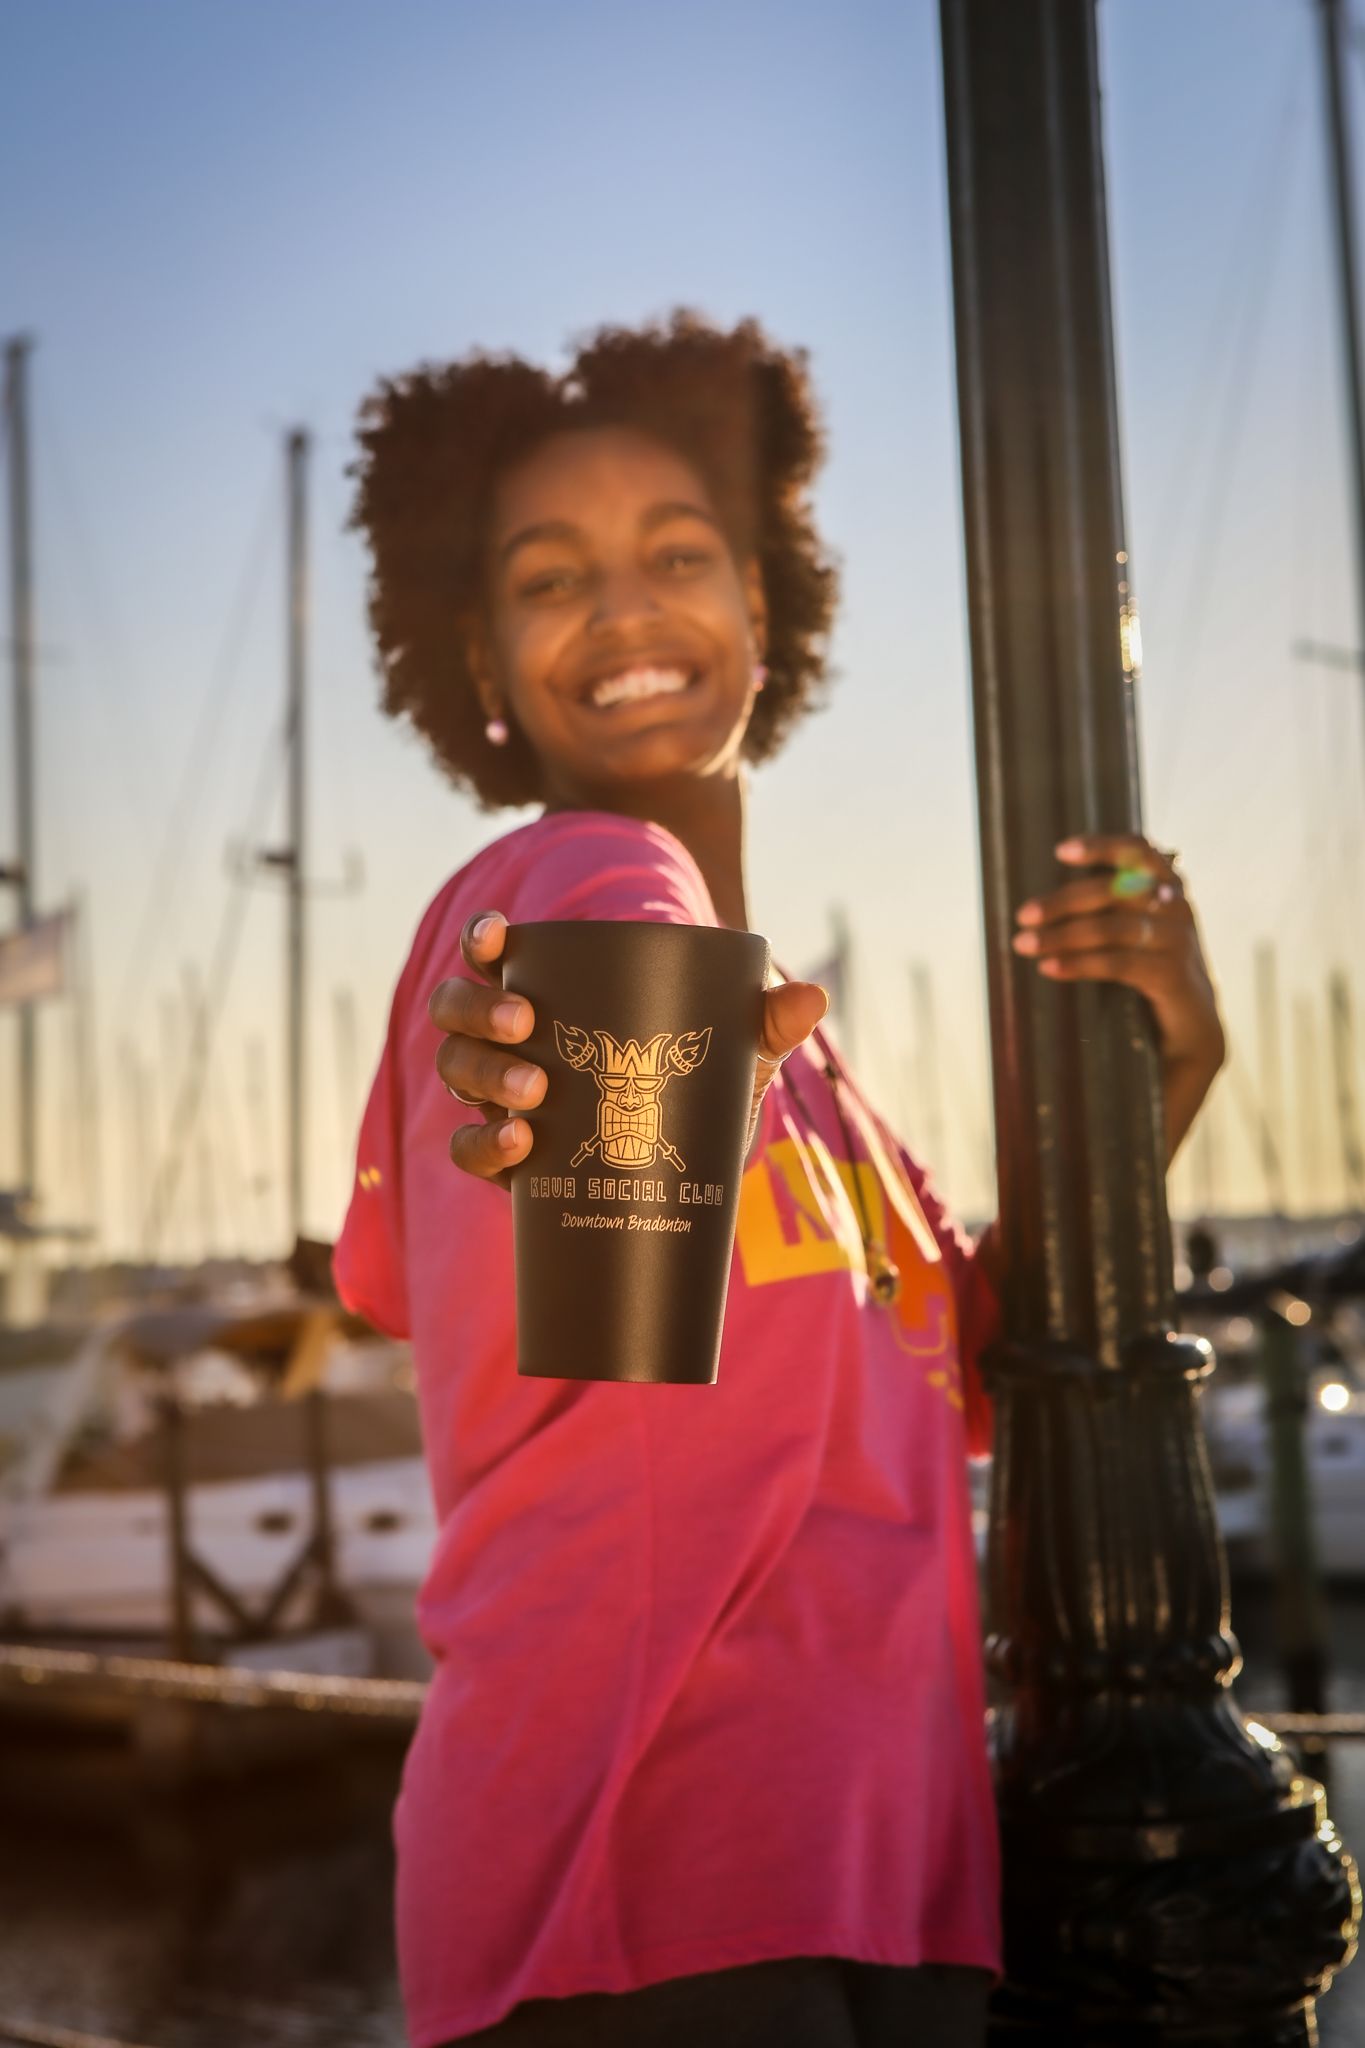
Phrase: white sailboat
(162, 1495)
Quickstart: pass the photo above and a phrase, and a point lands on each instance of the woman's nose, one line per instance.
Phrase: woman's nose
(623, 593)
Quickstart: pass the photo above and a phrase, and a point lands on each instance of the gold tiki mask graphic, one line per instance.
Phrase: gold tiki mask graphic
(630, 1080)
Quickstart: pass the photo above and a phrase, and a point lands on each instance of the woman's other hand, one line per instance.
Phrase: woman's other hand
(478, 1062)
(1130, 919)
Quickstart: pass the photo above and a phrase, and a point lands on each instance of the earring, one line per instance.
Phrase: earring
(496, 729)
(760, 675)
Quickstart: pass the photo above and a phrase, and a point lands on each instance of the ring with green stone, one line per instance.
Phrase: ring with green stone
(1132, 882)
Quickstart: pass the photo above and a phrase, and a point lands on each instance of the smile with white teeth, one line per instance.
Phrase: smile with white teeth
(638, 682)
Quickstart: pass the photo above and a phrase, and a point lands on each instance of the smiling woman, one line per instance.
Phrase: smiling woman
(619, 652)
(460, 569)
(703, 1754)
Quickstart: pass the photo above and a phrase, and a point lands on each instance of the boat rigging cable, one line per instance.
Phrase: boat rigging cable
(172, 860)
(1241, 308)
(106, 678)
(1241, 305)
(222, 961)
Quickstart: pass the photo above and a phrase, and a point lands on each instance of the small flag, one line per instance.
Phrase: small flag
(33, 961)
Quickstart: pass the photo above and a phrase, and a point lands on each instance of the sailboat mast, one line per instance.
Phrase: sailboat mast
(1205, 1162)
(843, 954)
(1306, 1070)
(258, 1126)
(1343, 1071)
(21, 630)
(1334, 29)
(343, 1020)
(1273, 1158)
(929, 1106)
(297, 872)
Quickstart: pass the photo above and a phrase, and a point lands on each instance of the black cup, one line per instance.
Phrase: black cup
(623, 1214)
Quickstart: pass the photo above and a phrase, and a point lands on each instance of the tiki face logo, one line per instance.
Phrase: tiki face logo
(630, 1079)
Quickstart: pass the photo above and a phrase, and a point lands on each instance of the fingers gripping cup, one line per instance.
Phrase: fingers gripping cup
(623, 1213)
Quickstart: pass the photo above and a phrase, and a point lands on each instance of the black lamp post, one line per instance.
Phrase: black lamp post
(1169, 1876)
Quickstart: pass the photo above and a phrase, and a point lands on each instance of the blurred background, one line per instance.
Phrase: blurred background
(222, 227)
(226, 223)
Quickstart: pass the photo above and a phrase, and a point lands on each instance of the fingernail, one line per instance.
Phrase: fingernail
(1069, 846)
(1025, 942)
(1028, 913)
(507, 1016)
(509, 1134)
(483, 928)
(521, 1080)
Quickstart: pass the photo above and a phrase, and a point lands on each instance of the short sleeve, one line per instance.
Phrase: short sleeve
(569, 864)
(594, 864)
(368, 1263)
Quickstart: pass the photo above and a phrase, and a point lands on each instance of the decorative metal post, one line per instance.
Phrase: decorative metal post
(1301, 1632)
(1169, 1876)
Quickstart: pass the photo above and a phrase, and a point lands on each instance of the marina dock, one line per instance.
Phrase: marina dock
(203, 1817)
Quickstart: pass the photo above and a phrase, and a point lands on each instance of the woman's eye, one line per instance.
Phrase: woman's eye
(556, 579)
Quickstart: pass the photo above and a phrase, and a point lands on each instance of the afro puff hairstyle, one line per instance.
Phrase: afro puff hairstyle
(435, 441)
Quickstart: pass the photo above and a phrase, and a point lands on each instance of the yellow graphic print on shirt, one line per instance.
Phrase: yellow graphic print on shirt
(798, 1215)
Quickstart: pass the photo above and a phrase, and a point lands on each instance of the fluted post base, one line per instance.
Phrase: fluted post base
(1169, 1875)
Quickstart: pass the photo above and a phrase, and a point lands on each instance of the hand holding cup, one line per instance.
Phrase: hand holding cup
(483, 1025)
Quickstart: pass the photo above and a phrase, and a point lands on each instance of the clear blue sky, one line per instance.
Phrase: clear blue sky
(220, 221)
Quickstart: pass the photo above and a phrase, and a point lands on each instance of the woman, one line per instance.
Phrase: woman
(703, 1751)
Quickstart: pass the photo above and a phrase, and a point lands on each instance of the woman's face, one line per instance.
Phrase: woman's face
(623, 632)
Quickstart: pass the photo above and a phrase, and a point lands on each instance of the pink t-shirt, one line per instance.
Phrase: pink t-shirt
(708, 1684)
